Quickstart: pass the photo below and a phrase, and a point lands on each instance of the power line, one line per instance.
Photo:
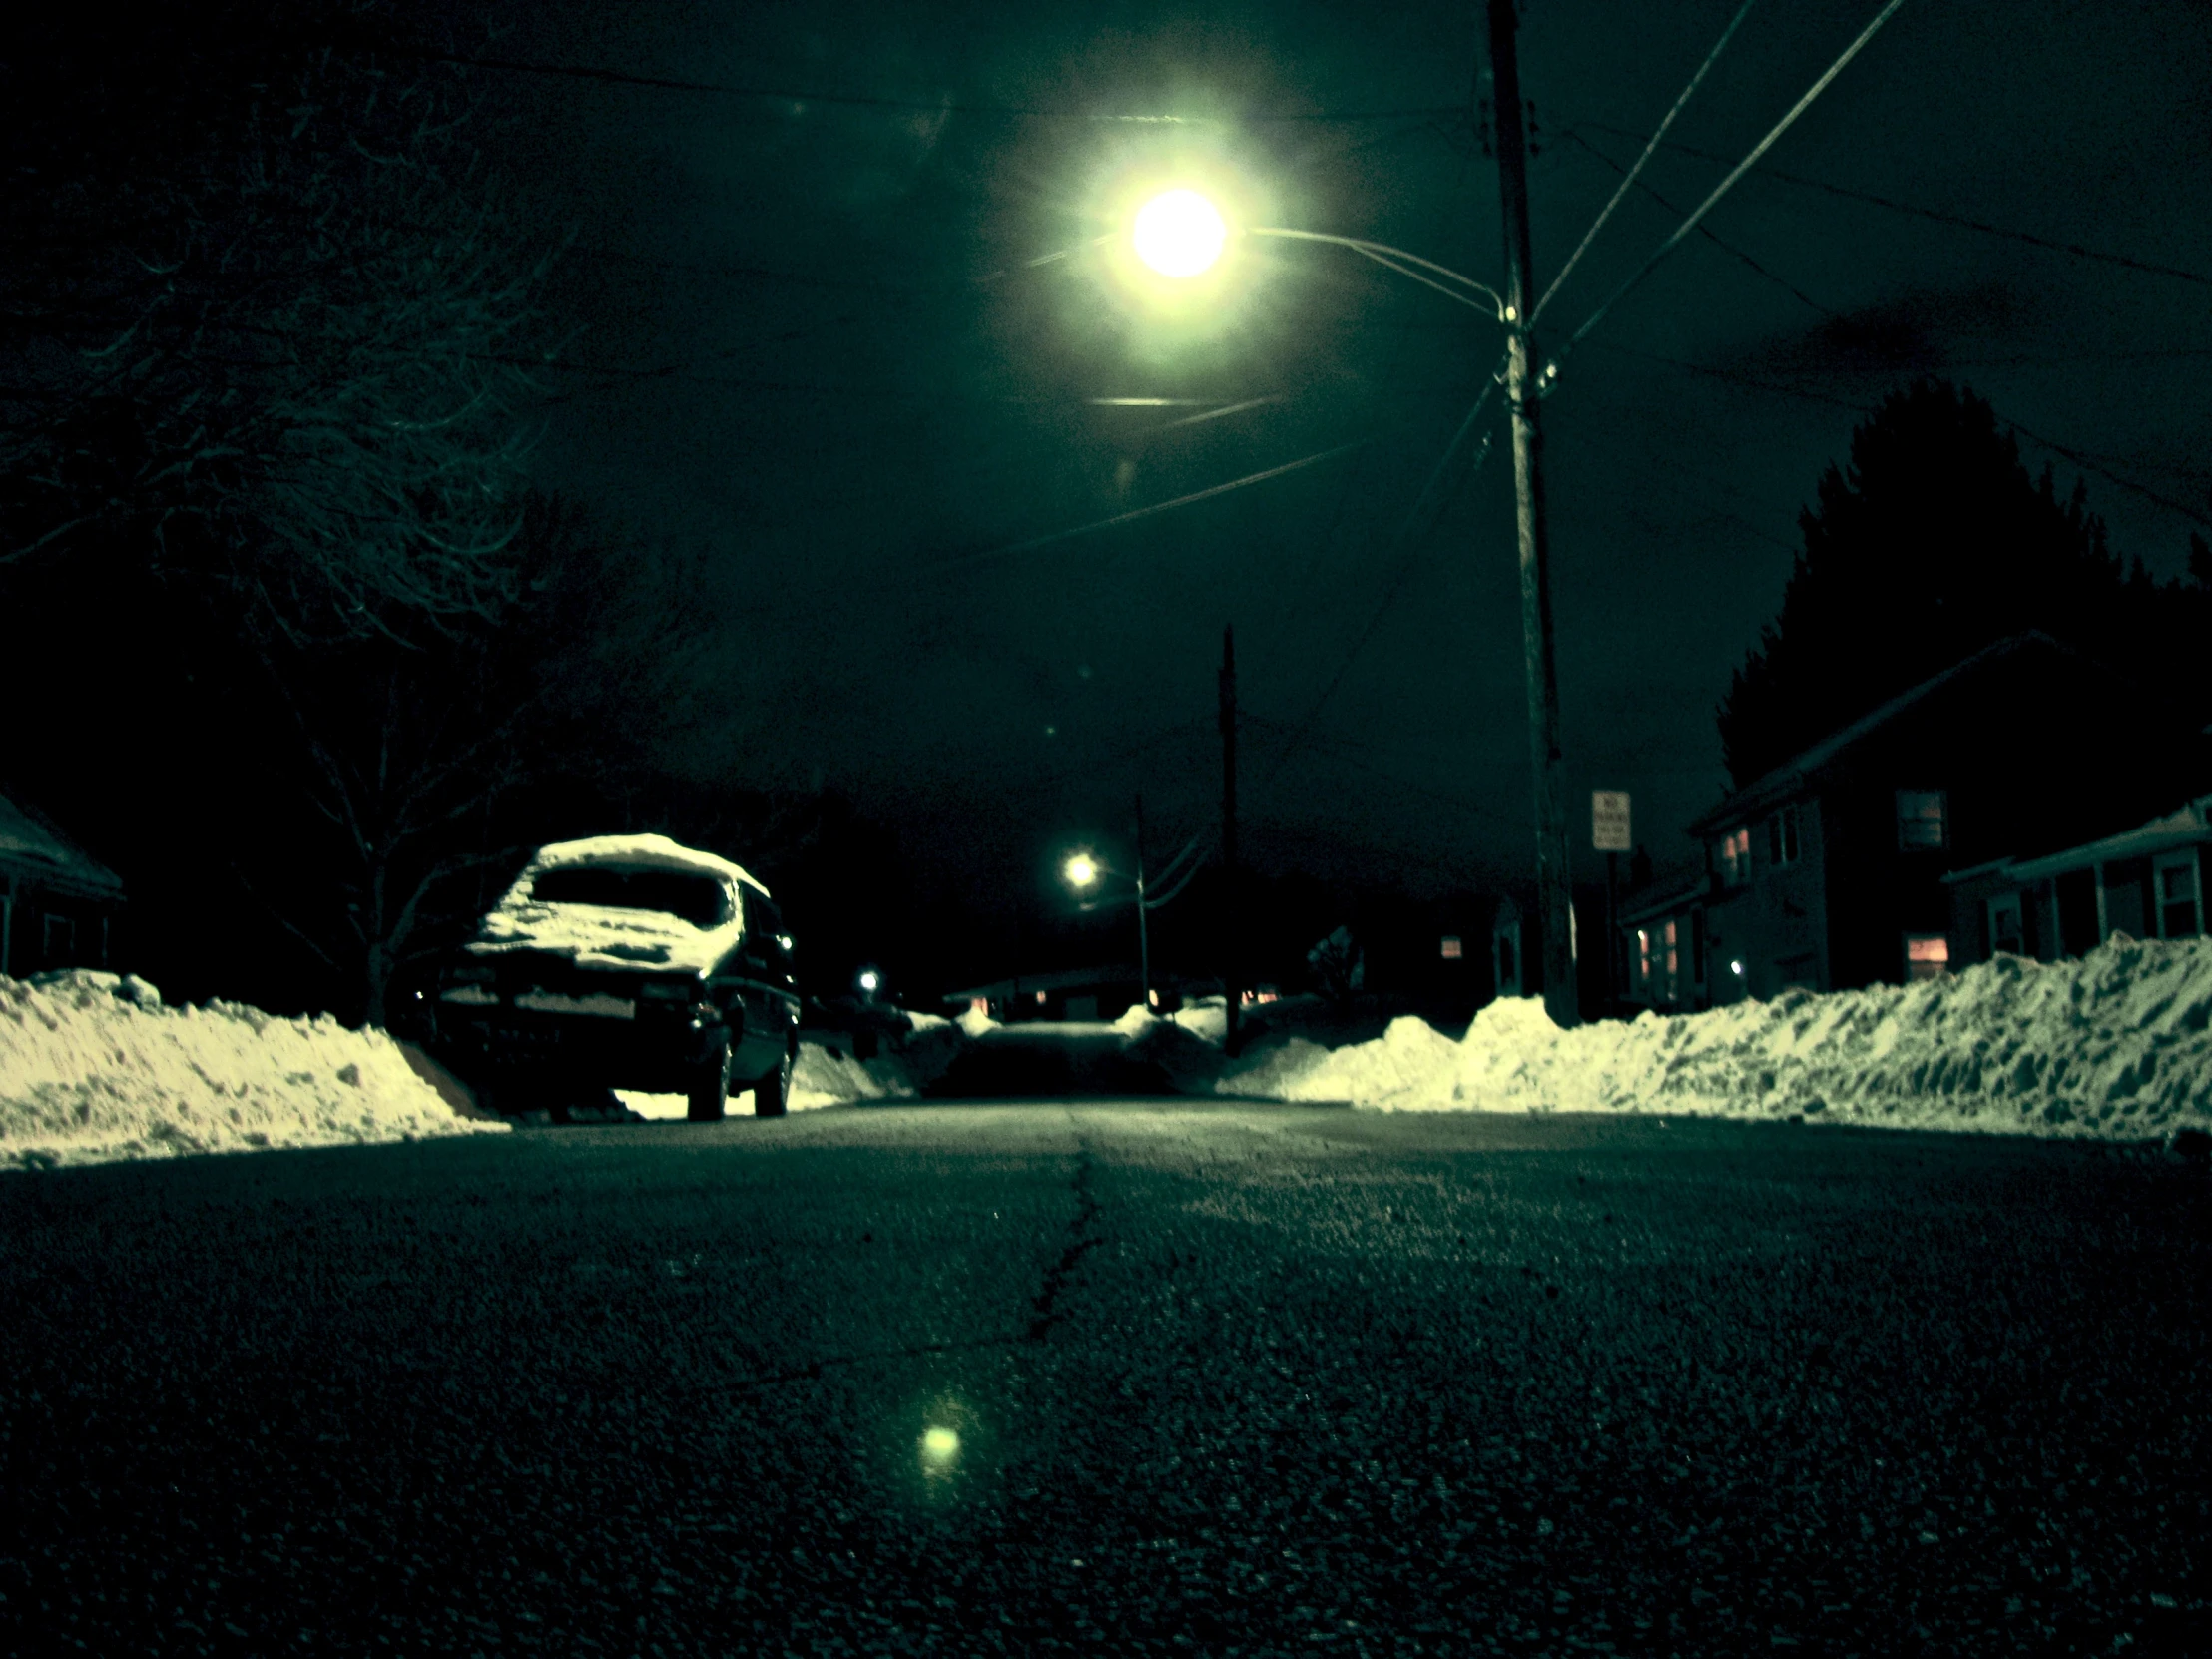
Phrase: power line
(1036, 542)
(942, 107)
(1708, 233)
(1939, 217)
(2082, 458)
(1719, 190)
(1636, 172)
(1409, 536)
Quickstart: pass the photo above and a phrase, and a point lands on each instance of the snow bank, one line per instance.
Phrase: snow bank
(2114, 1045)
(93, 1068)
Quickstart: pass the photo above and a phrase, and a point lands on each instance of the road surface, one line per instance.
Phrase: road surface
(1138, 1377)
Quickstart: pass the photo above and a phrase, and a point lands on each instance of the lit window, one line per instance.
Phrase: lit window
(1927, 955)
(1923, 818)
(1674, 959)
(1040, 1000)
(1452, 947)
(1643, 956)
(979, 1004)
(1732, 855)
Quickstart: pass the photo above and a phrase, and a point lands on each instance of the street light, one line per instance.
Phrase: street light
(1084, 871)
(1179, 233)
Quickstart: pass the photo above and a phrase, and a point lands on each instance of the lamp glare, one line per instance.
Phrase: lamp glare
(1179, 233)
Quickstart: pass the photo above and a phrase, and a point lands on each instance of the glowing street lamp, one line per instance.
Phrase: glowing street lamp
(1081, 871)
(1179, 233)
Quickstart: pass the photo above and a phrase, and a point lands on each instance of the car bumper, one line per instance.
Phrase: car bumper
(656, 1055)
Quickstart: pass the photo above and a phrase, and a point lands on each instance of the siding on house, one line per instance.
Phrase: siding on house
(2024, 747)
(2146, 882)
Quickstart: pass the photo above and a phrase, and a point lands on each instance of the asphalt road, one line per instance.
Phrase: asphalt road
(1225, 1378)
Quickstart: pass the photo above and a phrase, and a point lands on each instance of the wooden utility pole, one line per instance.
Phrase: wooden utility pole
(1231, 943)
(1524, 380)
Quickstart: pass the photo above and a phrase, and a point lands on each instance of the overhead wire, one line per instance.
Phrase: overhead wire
(961, 561)
(1620, 193)
(1719, 190)
(1936, 215)
(1408, 537)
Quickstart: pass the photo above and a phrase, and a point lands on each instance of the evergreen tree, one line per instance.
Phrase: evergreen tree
(1931, 544)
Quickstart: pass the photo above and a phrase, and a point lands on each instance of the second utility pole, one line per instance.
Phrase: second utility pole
(1232, 978)
(1523, 388)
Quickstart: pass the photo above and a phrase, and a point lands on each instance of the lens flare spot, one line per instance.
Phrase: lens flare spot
(1179, 233)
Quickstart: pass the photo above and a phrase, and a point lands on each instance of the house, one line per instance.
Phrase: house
(1829, 872)
(2147, 883)
(1665, 962)
(1076, 993)
(58, 903)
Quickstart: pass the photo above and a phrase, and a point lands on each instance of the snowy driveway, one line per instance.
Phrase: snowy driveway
(1025, 1377)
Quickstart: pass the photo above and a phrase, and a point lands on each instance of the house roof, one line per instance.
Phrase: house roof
(36, 854)
(1789, 778)
(1670, 899)
(2187, 826)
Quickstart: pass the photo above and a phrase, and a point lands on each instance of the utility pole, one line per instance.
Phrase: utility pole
(1525, 379)
(1144, 938)
(1230, 979)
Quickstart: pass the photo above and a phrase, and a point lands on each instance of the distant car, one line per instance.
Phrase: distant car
(633, 963)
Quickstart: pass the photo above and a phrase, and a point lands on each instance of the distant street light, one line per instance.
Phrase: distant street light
(1084, 871)
(1179, 233)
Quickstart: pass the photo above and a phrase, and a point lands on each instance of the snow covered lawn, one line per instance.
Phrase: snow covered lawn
(93, 1068)
(2114, 1046)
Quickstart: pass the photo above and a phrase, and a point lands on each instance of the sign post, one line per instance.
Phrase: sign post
(1610, 835)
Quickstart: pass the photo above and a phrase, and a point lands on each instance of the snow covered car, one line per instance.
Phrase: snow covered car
(627, 962)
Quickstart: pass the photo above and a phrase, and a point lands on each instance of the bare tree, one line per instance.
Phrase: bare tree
(268, 321)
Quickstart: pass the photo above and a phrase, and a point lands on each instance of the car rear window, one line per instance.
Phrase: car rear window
(699, 900)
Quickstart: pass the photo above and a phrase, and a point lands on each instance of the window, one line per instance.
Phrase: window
(2006, 935)
(1674, 961)
(1782, 836)
(1924, 820)
(1927, 956)
(2180, 916)
(1506, 943)
(1643, 958)
(1732, 857)
(1452, 948)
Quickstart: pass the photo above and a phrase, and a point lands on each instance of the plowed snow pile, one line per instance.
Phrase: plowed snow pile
(2114, 1045)
(93, 1068)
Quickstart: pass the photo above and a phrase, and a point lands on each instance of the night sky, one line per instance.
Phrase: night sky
(809, 336)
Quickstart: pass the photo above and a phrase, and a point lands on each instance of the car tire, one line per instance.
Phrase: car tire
(709, 1086)
(772, 1091)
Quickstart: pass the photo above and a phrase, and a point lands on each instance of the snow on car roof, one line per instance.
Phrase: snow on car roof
(603, 936)
(648, 851)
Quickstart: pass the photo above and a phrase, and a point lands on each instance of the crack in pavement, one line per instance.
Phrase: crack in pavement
(1043, 1306)
(1081, 1242)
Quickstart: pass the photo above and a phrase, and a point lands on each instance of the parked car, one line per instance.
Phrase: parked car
(626, 961)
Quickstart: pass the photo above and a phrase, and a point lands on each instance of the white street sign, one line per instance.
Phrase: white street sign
(1610, 821)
